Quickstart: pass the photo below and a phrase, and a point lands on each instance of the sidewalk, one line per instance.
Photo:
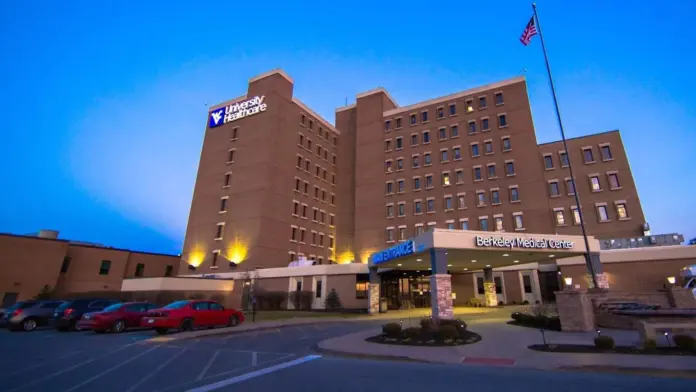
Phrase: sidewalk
(506, 345)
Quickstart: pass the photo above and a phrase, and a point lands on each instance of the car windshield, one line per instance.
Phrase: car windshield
(112, 308)
(177, 305)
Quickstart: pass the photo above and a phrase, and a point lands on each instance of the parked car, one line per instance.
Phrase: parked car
(189, 315)
(27, 315)
(66, 316)
(115, 318)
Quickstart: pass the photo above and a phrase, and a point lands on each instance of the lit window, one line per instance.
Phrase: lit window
(576, 215)
(602, 213)
(498, 223)
(621, 211)
(469, 106)
(594, 183)
(560, 218)
(446, 179)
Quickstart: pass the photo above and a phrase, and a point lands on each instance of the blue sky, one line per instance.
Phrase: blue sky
(103, 106)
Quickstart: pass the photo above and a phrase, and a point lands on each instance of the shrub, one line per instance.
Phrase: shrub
(458, 324)
(501, 303)
(412, 334)
(270, 300)
(426, 323)
(332, 300)
(513, 302)
(649, 344)
(684, 342)
(392, 330)
(447, 333)
(517, 316)
(302, 300)
(554, 323)
(604, 342)
(525, 302)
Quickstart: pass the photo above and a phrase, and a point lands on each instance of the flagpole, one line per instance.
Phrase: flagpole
(588, 260)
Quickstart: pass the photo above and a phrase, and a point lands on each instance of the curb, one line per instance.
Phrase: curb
(379, 357)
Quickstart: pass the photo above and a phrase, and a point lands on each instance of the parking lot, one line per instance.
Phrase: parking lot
(130, 362)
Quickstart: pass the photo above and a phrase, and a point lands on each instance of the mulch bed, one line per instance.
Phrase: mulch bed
(518, 324)
(587, 349)
(469, 338)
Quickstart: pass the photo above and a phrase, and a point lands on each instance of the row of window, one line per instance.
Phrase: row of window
(299, 234)
(442, 135)
(319, 172)
(456, 153)
(446, 178)
(402, 232)
(595, 184)
(322, 152)
(301, 210)
(587, 156)
(440, 111)
(319, 193)
(601, 211)
(452, 202)
(317, 259)
(105, 268)
(309, 124)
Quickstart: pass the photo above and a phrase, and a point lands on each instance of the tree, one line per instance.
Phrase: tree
(332, 300)
(45, 293)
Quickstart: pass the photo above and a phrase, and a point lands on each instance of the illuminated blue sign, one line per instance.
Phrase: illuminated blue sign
(403, 249)
(236, 111)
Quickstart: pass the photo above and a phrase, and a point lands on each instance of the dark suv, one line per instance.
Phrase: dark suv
(27, 315)
(70, 312)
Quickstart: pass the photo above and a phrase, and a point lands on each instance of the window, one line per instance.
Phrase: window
(309, 142)
(477, 174)
(332, 217)
(514, 195)
(430, 205)
(510, 168)
(448, 203)
(361, 285)
(495, 197)
(214, 261)
(480, 199)
(235, 131)
(304, 210)
(230, 156)
(452, 109)
(402, 234)
(464, 224)
(460, 176)
(570, 187)
(442, 133)
(168, 270)
(307, 163)
(331, 242)
(606, 153)
(499, 98)
(424, 116)
(527, 283)
(498, 223)
(402, 209)
(415, 161)
(457, 152)
(485, 124)
(502, 121)
(450, 225)
(427, 161)
(548, 162)
(594, 184)
(431, 226)
(428, 181)
(104, 267)
(488, 147)
(219, 231)
(413, 119)
(469, 105)
(400, 164)
(400, 187)
(519, 223)
(414, 139)
(390, 235)
(387, 145)
(506, 144)
(553, 189)
(417, 207)
(416, 184)
(444, 156)
(564, 158)
(454, 131)
(226, 182)
(223, 204)
(387, 125)
(390, 210)
(66, 264)
(474, 150)
(491, 170)
(588, 155)
(389, 188)
(560, 218)
(472, 127)
(446, 179)
(614, 181)
(315, 214)
(483, 224)
(602, 213)
(388, 166)
(621, 211)
(461, 202)
(440, 112)
(482, 103)
(426, 137)
(398, 122)
(293, 233)
(399, 143)
(311, 124)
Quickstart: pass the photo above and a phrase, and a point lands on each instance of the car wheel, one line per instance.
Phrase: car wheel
(161, 331)
(119, 326)
(186, 325)
(234, 321)
(29, 325)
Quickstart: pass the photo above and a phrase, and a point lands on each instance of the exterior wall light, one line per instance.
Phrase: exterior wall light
(671, 280)
(568, 281)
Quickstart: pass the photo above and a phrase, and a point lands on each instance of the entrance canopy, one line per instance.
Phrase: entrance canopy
(474, 250)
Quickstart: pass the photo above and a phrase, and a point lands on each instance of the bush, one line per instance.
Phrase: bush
(684, 342)
(604, 342)
(392, 330)
(332, 300)
(554, 323)
(517, 316)
(413, 333)
(447, 333)
(501, 303)
(270, 300)
(458, 324)
(302, 300)
(649, 344)
(426, 323)
(525, 302)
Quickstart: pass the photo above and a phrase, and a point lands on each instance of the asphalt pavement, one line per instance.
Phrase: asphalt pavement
(270, 360)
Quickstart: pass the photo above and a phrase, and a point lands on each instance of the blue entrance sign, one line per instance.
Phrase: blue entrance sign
(403, 249)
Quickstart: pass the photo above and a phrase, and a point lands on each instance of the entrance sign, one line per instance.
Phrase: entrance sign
(236, 111)
(523, 243)
(403, 249)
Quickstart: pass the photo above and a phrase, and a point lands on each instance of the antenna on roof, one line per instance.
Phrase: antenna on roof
(346, 101)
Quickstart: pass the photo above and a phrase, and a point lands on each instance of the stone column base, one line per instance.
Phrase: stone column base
(441, 296)
(373, 298)
(491, 298)
(575, 311)
(680, 298)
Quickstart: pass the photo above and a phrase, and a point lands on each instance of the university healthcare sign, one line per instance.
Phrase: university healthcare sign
(236, 111)
(396, 251)
(523, 243)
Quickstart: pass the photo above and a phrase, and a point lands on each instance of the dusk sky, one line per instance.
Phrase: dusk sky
(104, 103)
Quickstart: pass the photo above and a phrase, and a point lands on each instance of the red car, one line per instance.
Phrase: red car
(189, 315)
(115, 318)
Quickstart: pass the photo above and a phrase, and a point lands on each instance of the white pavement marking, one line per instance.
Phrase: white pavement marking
(109, 370)
(40, 364)
(208, 365)
(157, 370)
(254, 374)
(58, 373)
(254, 359)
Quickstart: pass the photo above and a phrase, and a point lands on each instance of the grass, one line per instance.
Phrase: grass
(274, 315)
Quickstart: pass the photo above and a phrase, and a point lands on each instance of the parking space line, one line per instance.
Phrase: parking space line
(208, 365)
(111, 369)
(58, 373)
(254, 359)
(157, 370)
(254, 374)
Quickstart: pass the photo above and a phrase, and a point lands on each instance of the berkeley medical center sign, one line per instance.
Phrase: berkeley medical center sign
(236, 111)
(523, 243)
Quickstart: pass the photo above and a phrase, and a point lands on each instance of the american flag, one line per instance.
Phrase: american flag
(529, 32)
